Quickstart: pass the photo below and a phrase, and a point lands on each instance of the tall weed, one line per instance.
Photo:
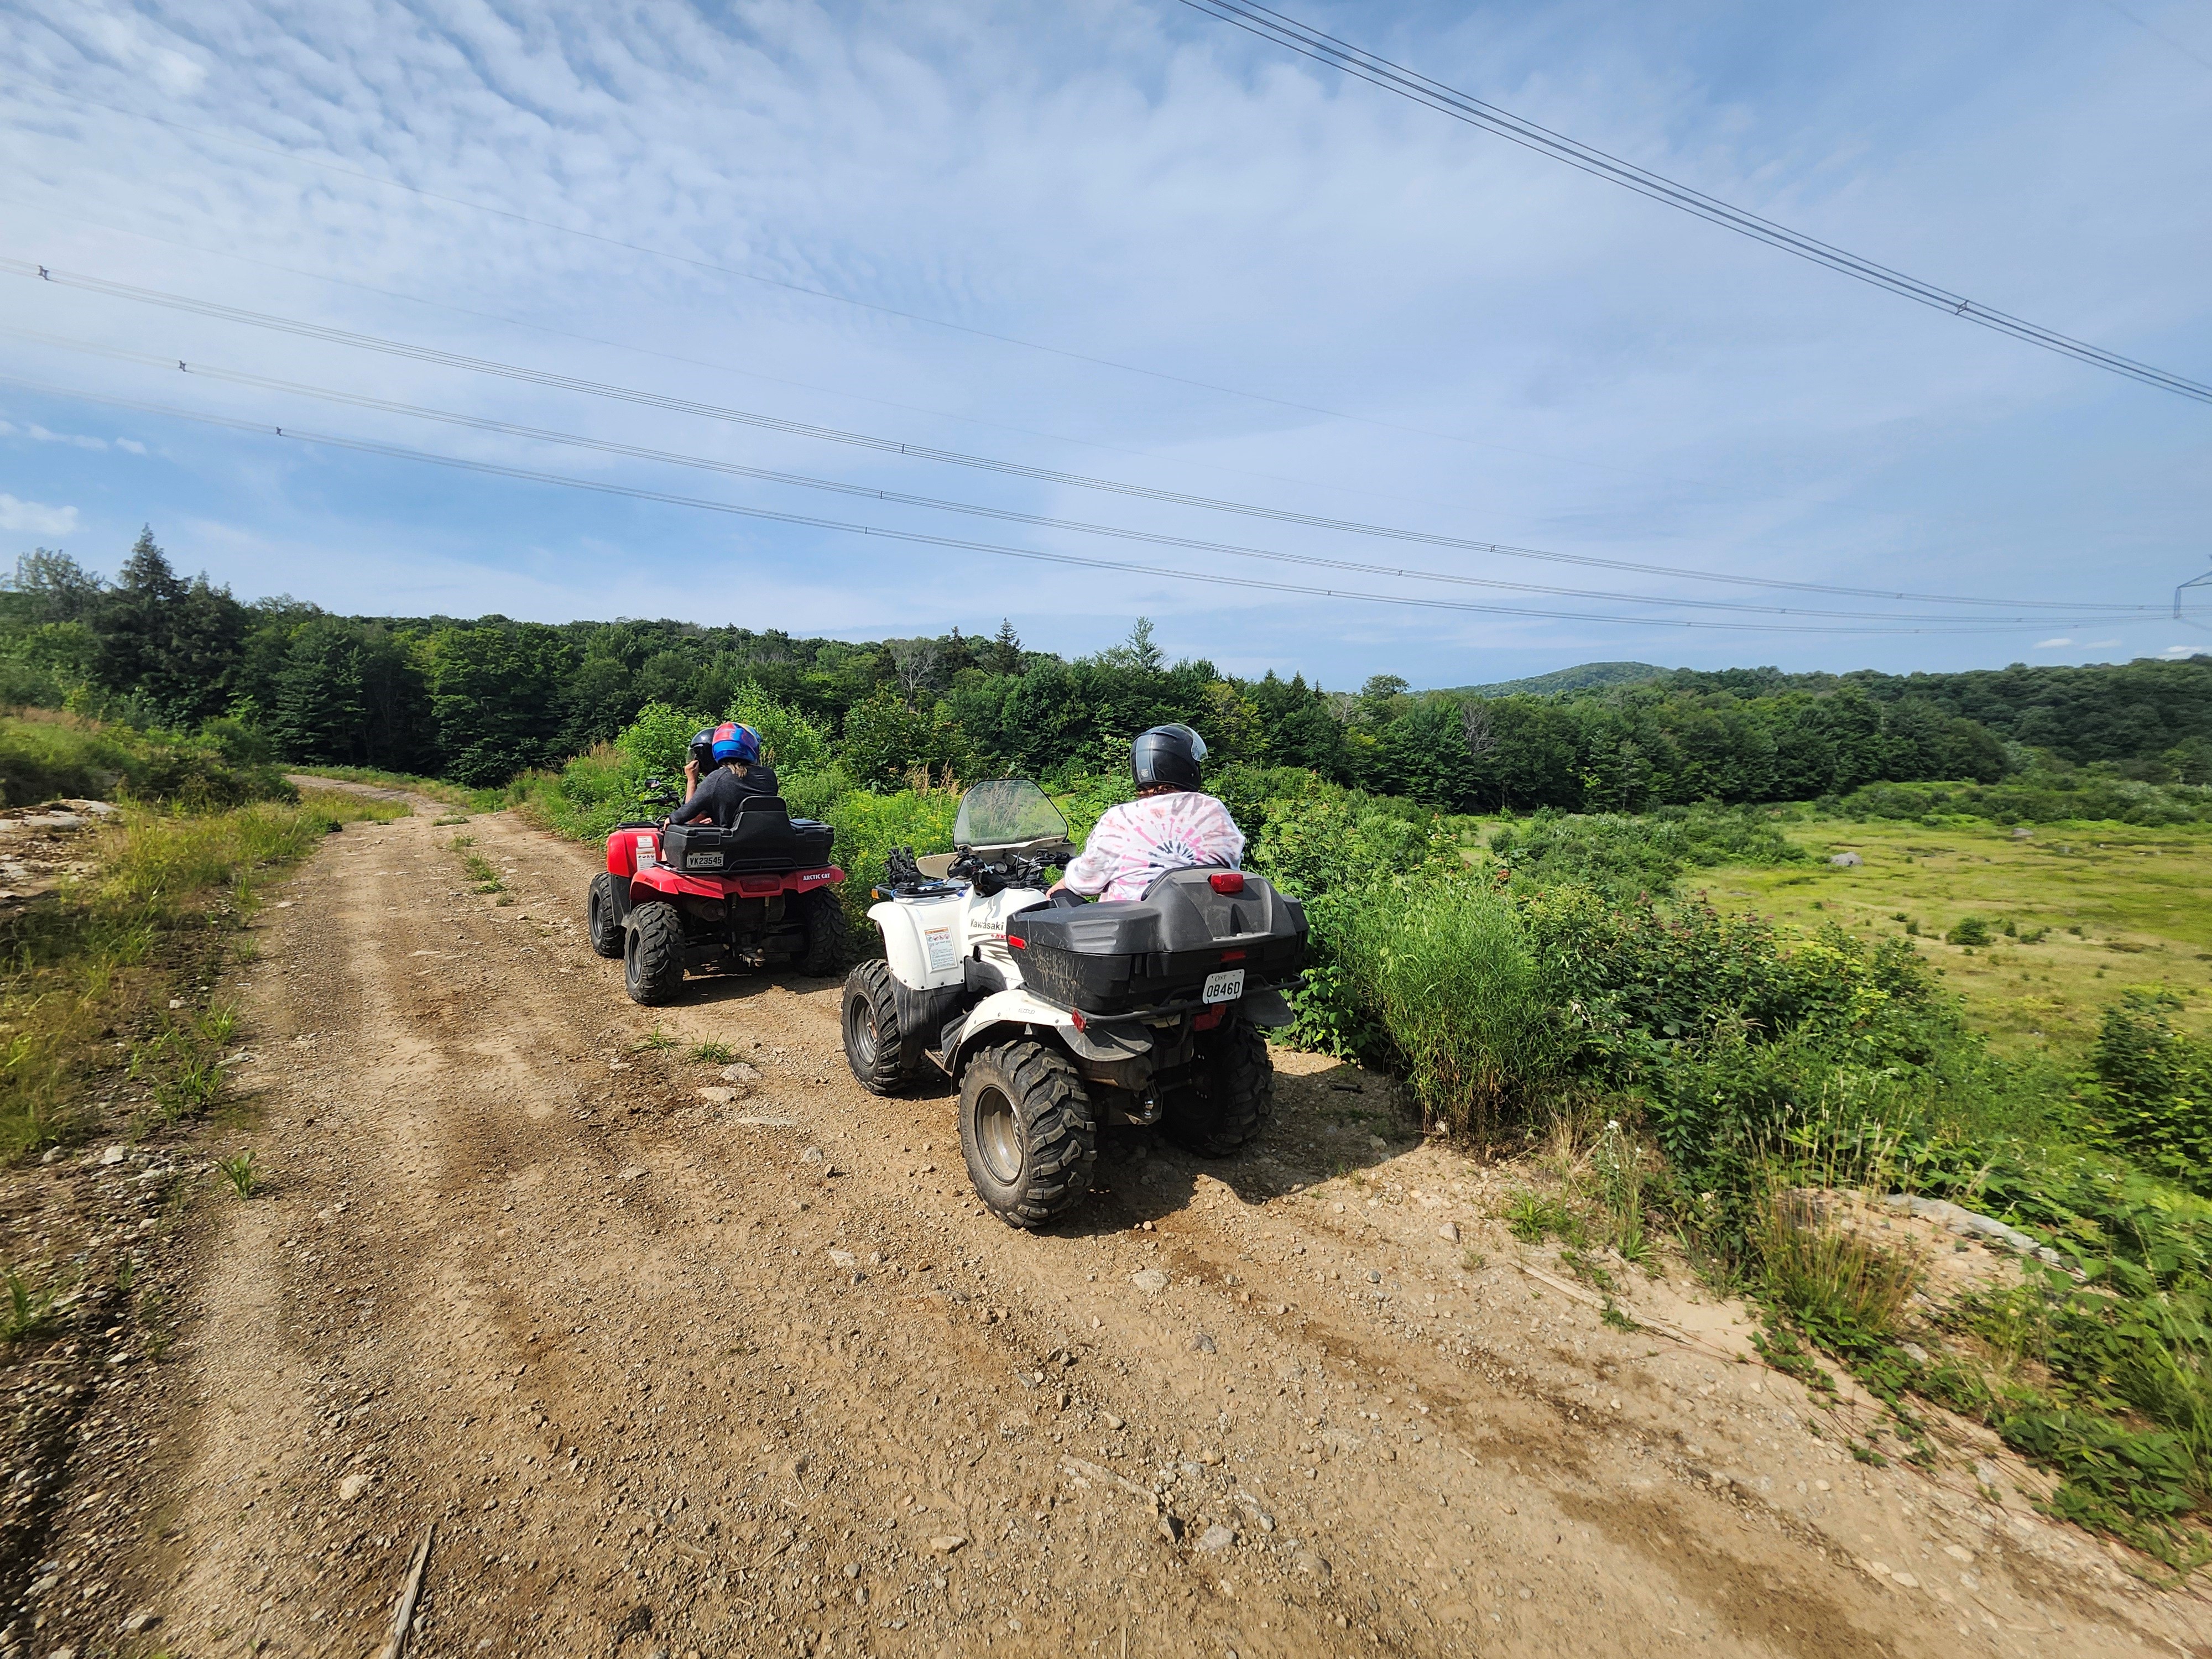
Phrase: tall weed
(1447, 971)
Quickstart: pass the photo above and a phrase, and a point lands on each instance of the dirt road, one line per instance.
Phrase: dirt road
(684, 1363)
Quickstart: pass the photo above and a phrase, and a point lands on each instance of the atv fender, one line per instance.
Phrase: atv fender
(633, 848)
(1017, 1010)
(1267, 1008)
(924, 942)
(658, 880)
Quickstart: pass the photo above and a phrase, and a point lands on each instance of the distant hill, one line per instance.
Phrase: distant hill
(1589, 676)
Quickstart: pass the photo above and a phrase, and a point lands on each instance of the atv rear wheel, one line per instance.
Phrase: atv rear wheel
(603, 917)
(1028, 1131)
(826, 936)
(875, 1046)
(653, 953)
(1232, 1097)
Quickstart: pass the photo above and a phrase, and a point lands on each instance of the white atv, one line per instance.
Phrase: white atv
(1054, 1019)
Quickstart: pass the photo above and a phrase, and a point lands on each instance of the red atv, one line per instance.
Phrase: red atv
(684, 896)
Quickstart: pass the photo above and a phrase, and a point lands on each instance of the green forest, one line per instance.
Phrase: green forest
(479, 700)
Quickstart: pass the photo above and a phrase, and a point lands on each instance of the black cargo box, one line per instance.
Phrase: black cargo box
(1117, 958)
(764, 840)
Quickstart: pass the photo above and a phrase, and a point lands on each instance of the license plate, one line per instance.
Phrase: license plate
(1224, 987)
(703, 861)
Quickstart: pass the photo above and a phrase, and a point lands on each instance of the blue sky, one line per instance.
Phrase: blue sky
(1507, 350)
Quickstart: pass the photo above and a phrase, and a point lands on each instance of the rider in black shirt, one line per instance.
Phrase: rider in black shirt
(734, 770)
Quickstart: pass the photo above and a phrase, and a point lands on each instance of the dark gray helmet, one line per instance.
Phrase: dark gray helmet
(1167, 754)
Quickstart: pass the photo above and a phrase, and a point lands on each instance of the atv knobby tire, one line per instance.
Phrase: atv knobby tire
(1231, 1098)
(602, 914)
(875, 1046)
(653, 953)
(1028, 1131)
(827, 937)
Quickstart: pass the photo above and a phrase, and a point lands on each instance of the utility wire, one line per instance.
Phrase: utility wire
(1309, 42)
(719, 270)
(2086, 614)
(715, 367)
(568, 481)
(954, 458)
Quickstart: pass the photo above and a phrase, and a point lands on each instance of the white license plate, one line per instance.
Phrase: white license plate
(1224, 987)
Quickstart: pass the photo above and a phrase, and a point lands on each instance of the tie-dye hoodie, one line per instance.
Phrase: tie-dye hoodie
(1140, 840)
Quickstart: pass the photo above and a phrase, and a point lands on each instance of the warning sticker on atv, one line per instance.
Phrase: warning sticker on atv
(1225, 986)
(942, 955)
(703, 861)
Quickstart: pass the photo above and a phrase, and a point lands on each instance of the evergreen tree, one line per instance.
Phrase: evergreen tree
(1003, 654)
(170, 642)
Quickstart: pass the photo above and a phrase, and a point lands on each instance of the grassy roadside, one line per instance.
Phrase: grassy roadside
(90, 970)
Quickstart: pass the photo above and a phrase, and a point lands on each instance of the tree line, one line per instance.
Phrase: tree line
(479, 700)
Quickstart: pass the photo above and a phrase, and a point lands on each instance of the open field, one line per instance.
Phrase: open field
(2109, 905)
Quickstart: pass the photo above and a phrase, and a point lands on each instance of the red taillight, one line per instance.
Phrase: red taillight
(1232, 956)
(1017, 943)
(1081, 1023)
(1227, 881)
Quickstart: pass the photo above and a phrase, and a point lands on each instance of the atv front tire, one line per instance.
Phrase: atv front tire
(653, 953)
(603, 917)
(1233, 1097)
(1027, 1131)
(875, 1046)
(827, 937)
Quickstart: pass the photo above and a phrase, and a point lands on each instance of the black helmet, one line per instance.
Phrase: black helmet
(1167, 754)
(702, 751)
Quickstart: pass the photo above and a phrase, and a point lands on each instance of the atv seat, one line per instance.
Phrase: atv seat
(765, 838)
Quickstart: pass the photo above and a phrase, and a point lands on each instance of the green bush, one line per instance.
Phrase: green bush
(1624, 855)
(2149, 1094)
(868, 825)
(1968, 930)
(2035, 797)
(43, 755)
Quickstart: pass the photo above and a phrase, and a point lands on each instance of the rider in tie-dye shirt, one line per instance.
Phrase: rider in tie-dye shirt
(1169, 826)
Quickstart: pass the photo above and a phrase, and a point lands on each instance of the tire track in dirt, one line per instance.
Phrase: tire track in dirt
(668, 1380)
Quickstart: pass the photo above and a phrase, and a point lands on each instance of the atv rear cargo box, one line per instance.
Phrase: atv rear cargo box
(1109, 959)
(765, 838)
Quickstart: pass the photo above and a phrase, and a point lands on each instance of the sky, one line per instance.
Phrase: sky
(1120, 242)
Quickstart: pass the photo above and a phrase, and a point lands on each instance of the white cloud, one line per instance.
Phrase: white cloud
(2186, 650)
(2051, 645)
(2099, 645)
(39, 434)
(1128, 180)
(35, 518)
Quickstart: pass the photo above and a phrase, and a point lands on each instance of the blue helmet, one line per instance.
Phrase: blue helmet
(733, 742)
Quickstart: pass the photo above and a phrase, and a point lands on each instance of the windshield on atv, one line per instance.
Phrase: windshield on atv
(1007, 812)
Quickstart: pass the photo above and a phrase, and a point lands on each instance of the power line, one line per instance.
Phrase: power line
(2157, 33)
(954, 458)
(1327, 48)
(2085, 615)
(720, 269)
(961, 544)
(809, 385)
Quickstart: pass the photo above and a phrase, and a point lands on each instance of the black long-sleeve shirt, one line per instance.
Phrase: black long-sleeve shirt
(719, 792)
